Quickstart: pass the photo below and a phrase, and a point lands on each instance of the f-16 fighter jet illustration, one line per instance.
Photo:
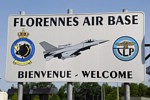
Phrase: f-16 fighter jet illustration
(68, 50)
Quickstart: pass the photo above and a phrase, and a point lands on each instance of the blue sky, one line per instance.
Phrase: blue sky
(8, 7)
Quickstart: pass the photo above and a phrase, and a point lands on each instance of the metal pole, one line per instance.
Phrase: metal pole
(69, 11)
(69, 91)
(20, 84)
(126, 85)
(20, 90)
(124, 10)
(22, 13)
(102, 92)
(69, 84)
(127, 91)
(0, 88)
(117, 92)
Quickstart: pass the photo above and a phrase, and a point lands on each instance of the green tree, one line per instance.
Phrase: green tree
(107, 88)
(76, 89)
(121, 90)
(134, 90)
(45, 85)
(142, 90)
(62, 93)
(54, 97)
(36, 97)
(40, 85)
(112, 95)
(148, 92)
(89, 90)
(14, 96)
(92, 90)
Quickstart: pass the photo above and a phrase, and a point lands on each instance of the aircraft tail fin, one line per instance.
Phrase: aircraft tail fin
(47, 46)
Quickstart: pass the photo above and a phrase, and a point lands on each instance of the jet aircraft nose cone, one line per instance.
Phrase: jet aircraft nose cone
(103, 41)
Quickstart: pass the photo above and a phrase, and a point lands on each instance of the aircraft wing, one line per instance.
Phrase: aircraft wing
(68, 54)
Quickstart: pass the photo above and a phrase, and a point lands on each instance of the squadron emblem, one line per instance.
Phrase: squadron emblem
(22, 49)
(125, 48)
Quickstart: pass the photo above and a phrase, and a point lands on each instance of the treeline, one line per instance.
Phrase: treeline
(94, 91)
(90, 91)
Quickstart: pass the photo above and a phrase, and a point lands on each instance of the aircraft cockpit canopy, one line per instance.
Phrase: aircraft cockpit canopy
(89, 41)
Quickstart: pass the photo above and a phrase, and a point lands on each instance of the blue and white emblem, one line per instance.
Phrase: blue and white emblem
(125, 48)
(22, 50)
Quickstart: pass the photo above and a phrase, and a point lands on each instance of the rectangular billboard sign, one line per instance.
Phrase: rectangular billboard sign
(76, 47)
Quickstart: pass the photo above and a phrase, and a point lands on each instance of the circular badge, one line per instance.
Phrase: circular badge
(125, 48)
(22, 49)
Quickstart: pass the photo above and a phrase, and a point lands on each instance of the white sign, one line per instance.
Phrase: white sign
(76, 48)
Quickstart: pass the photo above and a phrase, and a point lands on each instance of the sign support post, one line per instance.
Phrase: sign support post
(126, 85)
(69, 84)
(102, 92)
(20, 84)
(117, 91)
(69, 90)
(127, 91)
(20, 90)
